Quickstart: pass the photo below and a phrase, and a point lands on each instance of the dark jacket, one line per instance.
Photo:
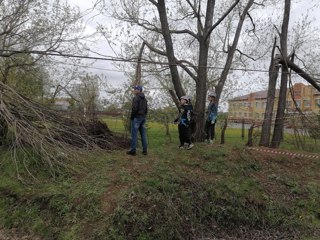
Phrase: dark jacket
(139, 106)
(186, 115)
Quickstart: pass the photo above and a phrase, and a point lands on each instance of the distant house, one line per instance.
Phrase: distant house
(252, 106)
(61, 104)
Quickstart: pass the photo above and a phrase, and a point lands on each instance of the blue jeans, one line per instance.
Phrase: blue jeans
(138, 124)
(209, 130)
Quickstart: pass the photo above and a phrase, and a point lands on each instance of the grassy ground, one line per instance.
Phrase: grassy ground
(209, 192)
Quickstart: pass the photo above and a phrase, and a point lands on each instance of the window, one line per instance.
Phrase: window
(306, 103)
(298, 103)
(257, 104)
(289, 103)
(317, 101)
(264, 104)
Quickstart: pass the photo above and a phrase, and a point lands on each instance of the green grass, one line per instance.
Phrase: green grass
(233, 136)
(210, 191)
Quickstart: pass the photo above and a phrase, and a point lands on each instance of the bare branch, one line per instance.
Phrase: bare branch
(197, 14)
(253, 24)
(221, 19)
(277, 30)
(185, 31)
(152, 48)
(186, 69)
(154, 2)
(246, 55)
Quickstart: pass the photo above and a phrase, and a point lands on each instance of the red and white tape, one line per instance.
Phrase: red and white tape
(285, 153)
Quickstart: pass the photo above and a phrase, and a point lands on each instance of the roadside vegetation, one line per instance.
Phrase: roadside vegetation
(212, 191)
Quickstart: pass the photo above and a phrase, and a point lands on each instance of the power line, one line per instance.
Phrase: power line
(9, 53)
(86, 66)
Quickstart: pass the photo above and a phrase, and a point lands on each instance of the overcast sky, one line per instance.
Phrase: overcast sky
(116, 77)
(92, 18)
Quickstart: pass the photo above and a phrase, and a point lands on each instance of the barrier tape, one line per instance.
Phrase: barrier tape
(290, 154)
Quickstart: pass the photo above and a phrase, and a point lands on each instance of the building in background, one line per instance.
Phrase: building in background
(251, 107)
(62, 104)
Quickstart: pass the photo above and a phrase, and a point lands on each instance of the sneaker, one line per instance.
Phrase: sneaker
(181, 147)
(145, 153)
(190, 146)
(133, 153)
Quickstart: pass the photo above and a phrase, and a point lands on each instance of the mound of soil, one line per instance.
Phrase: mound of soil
(94, 132)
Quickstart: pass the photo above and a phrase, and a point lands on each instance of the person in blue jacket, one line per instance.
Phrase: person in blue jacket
(212, 114)
(184, 121)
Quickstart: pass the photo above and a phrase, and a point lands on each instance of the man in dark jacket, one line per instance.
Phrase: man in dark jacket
(138, 120)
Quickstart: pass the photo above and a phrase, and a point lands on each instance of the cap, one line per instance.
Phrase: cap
(188, 98)
(212, 94)
(137, 87)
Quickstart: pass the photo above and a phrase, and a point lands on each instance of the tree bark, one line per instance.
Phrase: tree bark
(250, 135)
(201, 83)
(223, 131)
(3, 123)
(267, 121)
(169, 48)
(138, 69)
(302, 73)
(231, 51)
(279, 122)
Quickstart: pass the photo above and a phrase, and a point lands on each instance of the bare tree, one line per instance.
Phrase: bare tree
(273, 76)
(195, 26)
(279, 121)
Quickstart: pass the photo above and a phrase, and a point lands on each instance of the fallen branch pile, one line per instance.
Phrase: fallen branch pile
(34, 131)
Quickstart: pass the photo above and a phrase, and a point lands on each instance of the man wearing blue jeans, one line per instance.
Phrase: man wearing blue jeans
(138, 120)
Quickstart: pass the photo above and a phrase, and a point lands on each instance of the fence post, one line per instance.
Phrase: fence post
(242, 130)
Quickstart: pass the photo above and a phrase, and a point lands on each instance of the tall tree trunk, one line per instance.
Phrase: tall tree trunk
(223, 130)
(250, 135)
(279, 122)
(138, 69)
(231, 51)
(201, 93)
(3, 123)
(169, 48)
(267, 121)
(201, 83)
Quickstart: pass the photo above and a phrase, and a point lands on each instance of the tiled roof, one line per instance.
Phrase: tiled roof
(255, 95)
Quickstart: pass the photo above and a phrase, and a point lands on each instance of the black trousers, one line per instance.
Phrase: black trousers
(184, 134)
(209, 129)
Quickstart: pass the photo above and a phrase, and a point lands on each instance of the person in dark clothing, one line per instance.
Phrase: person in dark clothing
(212, 114)
(184, 121)
(138, 121)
